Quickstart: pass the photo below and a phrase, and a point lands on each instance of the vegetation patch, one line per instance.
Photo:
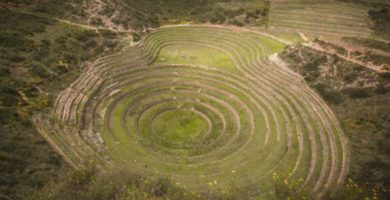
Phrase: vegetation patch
(39, 57)
(381, 21)
(358, 96)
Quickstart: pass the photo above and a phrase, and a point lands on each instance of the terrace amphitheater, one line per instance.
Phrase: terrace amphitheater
(211, 107)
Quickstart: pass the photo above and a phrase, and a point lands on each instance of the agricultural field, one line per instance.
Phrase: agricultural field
(205, 106)
(329, 17)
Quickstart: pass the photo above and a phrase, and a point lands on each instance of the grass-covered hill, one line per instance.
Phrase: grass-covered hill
(39, 56)
(88, 86)
(138, 15)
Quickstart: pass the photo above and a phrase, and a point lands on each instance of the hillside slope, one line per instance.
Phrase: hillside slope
(38, 57)
(359, 97)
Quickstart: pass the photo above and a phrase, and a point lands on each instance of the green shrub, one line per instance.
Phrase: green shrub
(328, 94)
(381, 21)
(90, 184)
(96, 21)
(236, 22)
(108, 11)
(357, 92)
(7, 115)
(16, 41)
(85, 35)
(136, 36)
(40, 71)
(110, 44)
(17, 58)
(385, 76)
(4, 71)
(382, 89)
(153, 21)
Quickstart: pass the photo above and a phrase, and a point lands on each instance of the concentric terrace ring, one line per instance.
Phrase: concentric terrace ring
(206, 127)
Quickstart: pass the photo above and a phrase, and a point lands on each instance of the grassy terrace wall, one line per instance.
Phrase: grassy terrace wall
(321, 17)
(205, 107)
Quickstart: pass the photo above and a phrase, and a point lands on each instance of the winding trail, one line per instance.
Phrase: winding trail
(375, 68)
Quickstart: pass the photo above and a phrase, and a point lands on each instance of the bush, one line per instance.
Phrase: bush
(154, 21)
(85, 35)
(16, 41)
(4, 71)
(17, 58)
(110, 44)
(70, 58)
(91, 44)
(381, 89)
(61, 69)
(108, 11)
(96, 21)
(108, 34)
(90, 184)
(136, 36)
(236, 22)
(357, 92)
(381, 21)
(40, 71)
(251, 14)
(385, 76)
(328, 94)
(217, 18)
(350, 77)
(7, 115)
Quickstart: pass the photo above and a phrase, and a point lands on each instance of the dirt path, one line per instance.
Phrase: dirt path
(375, 68)
(88, 27)
(303, 36)
(84, 26)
